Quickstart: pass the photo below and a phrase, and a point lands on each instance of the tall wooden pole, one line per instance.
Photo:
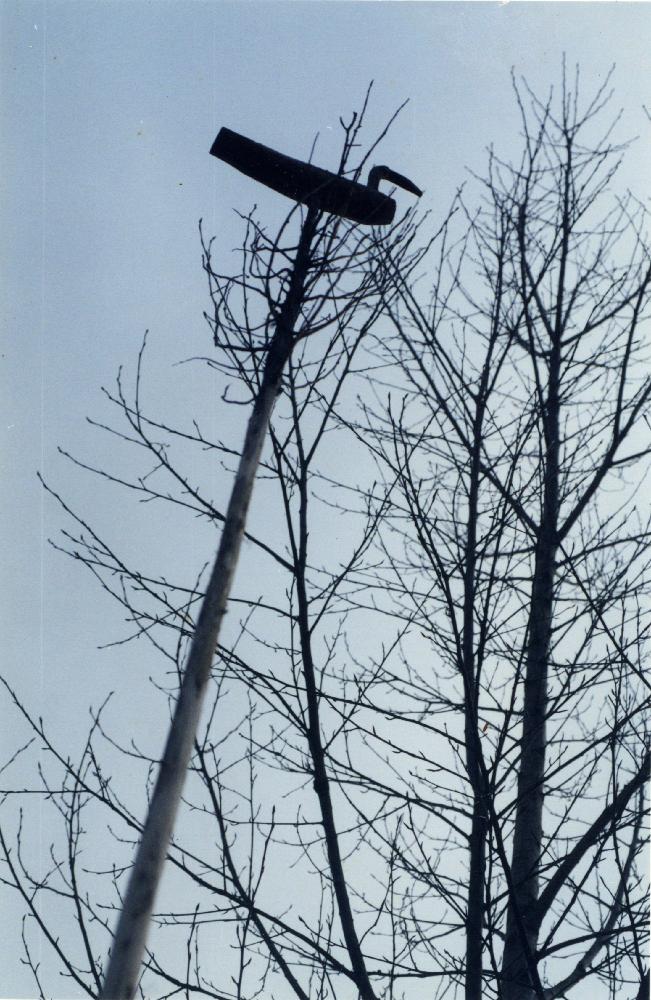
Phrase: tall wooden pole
(129, 943)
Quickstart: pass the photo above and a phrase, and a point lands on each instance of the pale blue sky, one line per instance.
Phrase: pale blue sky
(108, 110)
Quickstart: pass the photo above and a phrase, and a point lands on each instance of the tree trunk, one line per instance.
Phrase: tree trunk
(318, 755)
(519, 976)
(479, 822)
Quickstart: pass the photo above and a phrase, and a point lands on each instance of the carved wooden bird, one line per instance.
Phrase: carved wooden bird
(312, 185)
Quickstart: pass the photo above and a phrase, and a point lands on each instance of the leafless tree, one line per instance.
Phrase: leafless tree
(520, 442)
(421, 771)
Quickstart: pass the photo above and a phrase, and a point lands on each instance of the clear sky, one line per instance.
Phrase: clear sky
(107, 112)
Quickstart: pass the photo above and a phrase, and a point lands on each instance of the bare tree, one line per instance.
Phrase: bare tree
(422, 766)
(520, 441)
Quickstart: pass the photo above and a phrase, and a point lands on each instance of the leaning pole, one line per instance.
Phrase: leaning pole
(321, 191)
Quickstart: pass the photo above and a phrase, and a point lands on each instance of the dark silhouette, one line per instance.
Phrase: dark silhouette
(312, 185)
(377, 174)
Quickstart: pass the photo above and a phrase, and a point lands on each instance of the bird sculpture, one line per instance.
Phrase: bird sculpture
(312, 185)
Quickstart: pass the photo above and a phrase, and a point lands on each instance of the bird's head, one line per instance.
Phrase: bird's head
(377, 174)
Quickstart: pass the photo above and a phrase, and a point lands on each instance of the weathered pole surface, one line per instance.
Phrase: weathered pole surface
(129, 943)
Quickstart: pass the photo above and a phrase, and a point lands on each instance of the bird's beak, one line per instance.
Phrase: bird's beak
(401, 181)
